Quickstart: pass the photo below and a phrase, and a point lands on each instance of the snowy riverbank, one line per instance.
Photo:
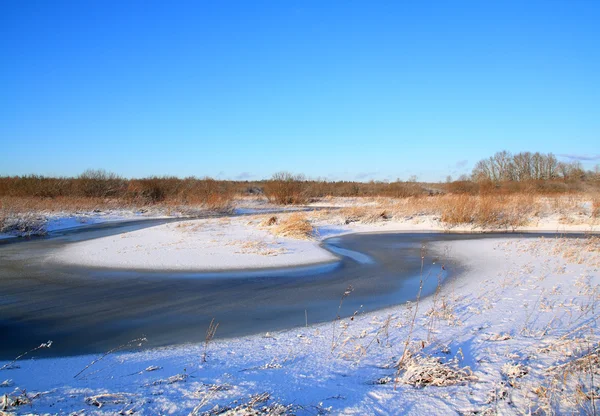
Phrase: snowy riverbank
(517, 332)
(245, 242)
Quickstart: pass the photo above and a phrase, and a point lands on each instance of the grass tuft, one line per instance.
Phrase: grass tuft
(295, 226)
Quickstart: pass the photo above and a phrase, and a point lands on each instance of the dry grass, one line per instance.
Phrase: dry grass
(268, 221)
(596, 207)
(478, 212)
(421, 371)
(488, 212)
(366, 215)
(296, 225)
(505, 212)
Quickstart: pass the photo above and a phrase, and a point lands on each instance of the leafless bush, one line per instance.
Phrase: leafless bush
(285, 188)
(100, 183)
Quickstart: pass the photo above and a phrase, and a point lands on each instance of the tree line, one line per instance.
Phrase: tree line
(526, 166)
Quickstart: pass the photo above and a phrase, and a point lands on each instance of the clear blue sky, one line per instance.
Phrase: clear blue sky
(337, 89)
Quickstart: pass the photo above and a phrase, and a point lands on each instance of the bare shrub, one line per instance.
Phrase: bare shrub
(100, 183)
(295, 226)
(285, 189)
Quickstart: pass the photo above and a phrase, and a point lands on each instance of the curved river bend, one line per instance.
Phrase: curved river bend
(85, 310)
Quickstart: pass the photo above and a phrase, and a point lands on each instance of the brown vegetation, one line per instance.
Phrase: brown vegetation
(99, 189)
(488, 211)
(296, 225)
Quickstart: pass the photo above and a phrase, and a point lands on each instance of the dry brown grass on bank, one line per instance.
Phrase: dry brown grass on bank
(488, 212)
(506, 212)
(596, 207)
(17, 205)
(366, 215)
(294, 226)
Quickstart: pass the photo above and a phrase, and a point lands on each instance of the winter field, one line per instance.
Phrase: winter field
(514, 333)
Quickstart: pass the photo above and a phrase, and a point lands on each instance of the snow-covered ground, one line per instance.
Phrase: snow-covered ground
(245, 242)
(208, 244)
(43, 223)
(516, 333)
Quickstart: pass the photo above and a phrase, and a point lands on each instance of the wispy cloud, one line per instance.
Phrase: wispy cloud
(364, 175)
(244, 175)
(461, 164)
(580, 157)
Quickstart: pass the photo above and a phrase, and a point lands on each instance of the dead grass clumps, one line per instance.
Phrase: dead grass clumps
(596, 207)
(294, 226)
(421, 371)
(366, 215)
(457, 210)
(268, 221)
(488, 211)
(22, 224)
(512, 372)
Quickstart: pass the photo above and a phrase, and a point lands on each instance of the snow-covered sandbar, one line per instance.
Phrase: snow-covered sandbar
(242, 243)
(207, 244)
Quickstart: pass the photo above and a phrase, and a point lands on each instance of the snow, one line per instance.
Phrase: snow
(62, 222)
(210, 244)
(523, 311)
(241, 243)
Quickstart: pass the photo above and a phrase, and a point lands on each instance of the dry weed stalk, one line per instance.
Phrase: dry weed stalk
(346, 293)
(210, 334)
(41, 346)
(400, 363)
(138, 342)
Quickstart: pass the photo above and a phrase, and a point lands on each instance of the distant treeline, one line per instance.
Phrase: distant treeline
(527, 166)
(501, 173)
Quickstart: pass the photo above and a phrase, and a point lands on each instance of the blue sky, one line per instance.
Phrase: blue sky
(335, 89)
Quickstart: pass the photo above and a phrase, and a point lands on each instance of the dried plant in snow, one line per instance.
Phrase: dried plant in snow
(294, 226)
(210, 334)
(514, 371)
(421, 371)
(41, 346)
